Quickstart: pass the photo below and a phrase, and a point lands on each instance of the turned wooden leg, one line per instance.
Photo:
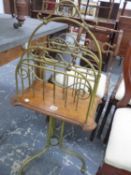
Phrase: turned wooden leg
(12, 8)
(123, 9)
(99, 171)
(21, 11)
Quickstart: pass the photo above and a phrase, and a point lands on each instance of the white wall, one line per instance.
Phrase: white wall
(1, 6)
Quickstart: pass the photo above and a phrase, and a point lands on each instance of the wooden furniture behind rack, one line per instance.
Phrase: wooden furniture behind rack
(34, 7)
(121, 93)
(111, 12)
(90, 19)
(125, 25)
(117, 159)
(124, 10)
(9, 6)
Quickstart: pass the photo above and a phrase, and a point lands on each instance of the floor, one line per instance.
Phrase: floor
(22, 132)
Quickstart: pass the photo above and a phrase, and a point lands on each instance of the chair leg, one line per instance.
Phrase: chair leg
(99, 171)
(107, 135)
(106, 169)
(109, 129)
(104, 119)
(53, 140)
(97, 120)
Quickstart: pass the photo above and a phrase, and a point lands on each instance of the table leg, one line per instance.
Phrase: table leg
(21, 11)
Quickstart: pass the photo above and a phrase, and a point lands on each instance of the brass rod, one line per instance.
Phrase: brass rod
(54, 86)
(61, 134)
(66, 90)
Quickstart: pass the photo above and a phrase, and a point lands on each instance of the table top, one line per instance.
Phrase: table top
(10, 37)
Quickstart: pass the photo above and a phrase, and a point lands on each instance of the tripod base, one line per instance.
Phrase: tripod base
(53, 140)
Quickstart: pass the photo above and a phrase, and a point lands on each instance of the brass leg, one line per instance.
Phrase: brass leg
(50, 142)
(71, 152)
(31, 158)
(42, 151)
(77, 155)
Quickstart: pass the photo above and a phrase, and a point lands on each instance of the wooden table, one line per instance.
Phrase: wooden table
(11, 40)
